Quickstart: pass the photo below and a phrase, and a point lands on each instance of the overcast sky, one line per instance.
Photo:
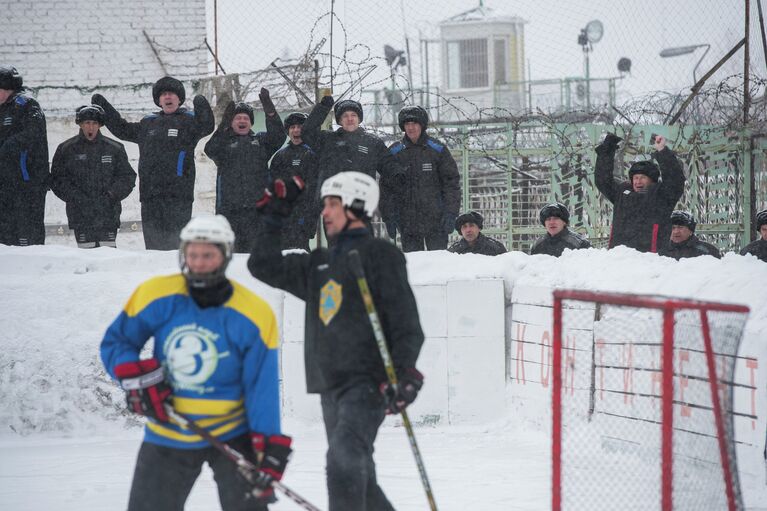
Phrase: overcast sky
(252, 34)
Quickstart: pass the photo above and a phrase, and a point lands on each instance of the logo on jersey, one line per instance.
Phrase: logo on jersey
(296, 163)
(191, 356)
(172, 132)
(7, 121)
(426, 167)
(106, 158)
(81, 157)
(363, 149)
(330, 300)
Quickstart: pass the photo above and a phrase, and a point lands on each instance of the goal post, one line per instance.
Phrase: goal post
(642, 407)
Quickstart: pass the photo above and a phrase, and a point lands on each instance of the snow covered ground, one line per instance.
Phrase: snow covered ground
(66, 444)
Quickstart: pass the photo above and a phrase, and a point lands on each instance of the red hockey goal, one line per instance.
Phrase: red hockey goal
(642, 403)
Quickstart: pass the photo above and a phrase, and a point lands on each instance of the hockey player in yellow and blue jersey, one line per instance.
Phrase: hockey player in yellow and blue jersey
(215, 361)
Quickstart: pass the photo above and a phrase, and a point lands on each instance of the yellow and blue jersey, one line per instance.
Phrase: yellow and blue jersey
(222, 362)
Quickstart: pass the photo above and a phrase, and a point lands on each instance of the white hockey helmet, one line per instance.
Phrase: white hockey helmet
(357, 191)
(206, 229)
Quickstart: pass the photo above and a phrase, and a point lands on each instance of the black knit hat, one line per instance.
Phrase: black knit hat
(646, 167)
(761, 219)
(346, 105)
(10, 79)
(295, 118)
(244, 108)
(684, 218)
(168, 84)
(89, 113)
(470, 217)
(556, 209)
(413, 114)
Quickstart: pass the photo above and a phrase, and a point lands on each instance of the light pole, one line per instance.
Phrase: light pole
(686, 50)
(678, 51)
(589, 35)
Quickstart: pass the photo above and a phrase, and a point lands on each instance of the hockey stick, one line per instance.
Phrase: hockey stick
(246, 468)
(356, 266)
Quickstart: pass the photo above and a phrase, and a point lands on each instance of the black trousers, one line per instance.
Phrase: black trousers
(162, 219)
(92, 238)
(164, 476)
(436, 240)
(352, 418)
(245, 223)
(22, 216)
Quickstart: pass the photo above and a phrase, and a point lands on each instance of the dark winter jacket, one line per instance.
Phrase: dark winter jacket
(641, 220)
(343, 151)
(23, 144)
(483, 245)
(243, 163)
(300, 160)
(166, 145)
(756, 248)
(340, 348)
(691, 247)
(431, 189)
(92, 177)
(555, 245)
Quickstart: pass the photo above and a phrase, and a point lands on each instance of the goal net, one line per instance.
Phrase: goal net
(642, 403)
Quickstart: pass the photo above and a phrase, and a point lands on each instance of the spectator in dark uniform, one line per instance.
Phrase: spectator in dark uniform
(166, 170)
(426, 205)
(242, 158)
(24, 175)
(91, 173)
(297, 158)
(642, 206)
(472, 241)
(758, 248)
(350, 147)
(684, 243)
(555, 218)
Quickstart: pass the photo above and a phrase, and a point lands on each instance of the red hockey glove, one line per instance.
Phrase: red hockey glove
(409, 383)
(274, 453)
(145, 386)
(280, 196)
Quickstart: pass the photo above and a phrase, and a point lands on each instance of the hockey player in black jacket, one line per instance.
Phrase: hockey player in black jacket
(297, 158)
(426, 205)
(350, 147)
(91, 173)
(166, 170)
(242, 158)
(555, 218)
(684, 243)
(642, 206)
(24, 176)
(342, 361)
(758, 248)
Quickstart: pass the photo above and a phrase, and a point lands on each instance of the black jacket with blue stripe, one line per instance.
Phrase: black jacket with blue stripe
(166, 145)
(23, 144)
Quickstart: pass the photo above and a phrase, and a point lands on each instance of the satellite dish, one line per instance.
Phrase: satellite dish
(393, 56)
(594, 31)
(624, 65)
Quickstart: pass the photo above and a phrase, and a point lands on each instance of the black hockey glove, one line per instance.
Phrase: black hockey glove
(327, 101)
(266, 102)
(227, 117)
(200, 102)
(146, 388)
(409, 383)
(274, 453)
(279, 197)
(609, 144)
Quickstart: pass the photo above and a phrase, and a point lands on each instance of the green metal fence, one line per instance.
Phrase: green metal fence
(509, 171)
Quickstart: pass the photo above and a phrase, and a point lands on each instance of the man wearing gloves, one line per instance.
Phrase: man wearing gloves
(166, 170)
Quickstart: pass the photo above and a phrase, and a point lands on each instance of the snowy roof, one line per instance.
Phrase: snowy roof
(480, 14)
